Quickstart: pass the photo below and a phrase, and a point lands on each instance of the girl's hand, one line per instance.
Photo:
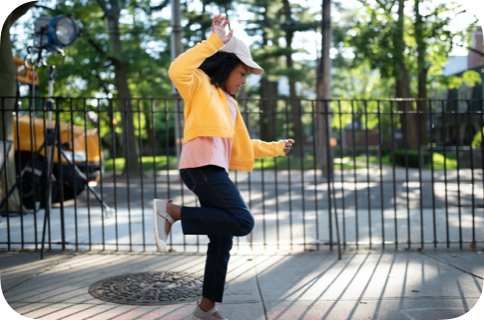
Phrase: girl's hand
(218, 27)
(288, 146)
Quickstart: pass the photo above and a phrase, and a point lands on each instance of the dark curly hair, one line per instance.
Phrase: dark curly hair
(219, 66)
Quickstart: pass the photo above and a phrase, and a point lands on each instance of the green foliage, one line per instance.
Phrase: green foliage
(470, 77)
(374, 41)
(410, 158)
(477, 140)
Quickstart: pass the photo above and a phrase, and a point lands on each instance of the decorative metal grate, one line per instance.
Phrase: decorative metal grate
(149, 288)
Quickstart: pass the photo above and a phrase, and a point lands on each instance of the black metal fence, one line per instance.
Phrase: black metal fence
(402, 174)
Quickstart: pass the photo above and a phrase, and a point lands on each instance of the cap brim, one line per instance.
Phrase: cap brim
(254, 67)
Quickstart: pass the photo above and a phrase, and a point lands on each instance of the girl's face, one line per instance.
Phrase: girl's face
(236, 79)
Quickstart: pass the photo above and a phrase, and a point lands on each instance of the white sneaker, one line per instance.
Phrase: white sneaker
(199, 314)
(159, 217)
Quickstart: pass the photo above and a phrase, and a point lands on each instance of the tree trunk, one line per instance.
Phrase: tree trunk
(408, 120)
(422, 76)
(268, 90)
(295, 105)
(7, 88)
(323, 91)
(121, 83)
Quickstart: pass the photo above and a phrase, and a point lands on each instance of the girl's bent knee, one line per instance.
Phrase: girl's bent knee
(245, 226)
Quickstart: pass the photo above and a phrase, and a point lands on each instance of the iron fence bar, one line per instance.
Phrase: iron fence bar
(406, 170)
(432, 174)
(60, 181)
(341, 172)
(368, 171)
(126, 128)
(249, 175)
(444, 138)
(19, 175)
(421, 163)
(5, 167)
(289, 178)
(73, 170)
(167, 146)
(101, 169)
(472, 172)
(47, 172)
(331, 181)
(141, 174)
(329, 175)
(274, 123)
(301, 139)
(181, 116)
(87, 173)
(261, 123)
(113, 157)
(153, 149)
(355, 189)
(457, 142)
(32, 160)
(393, 174)
(381, 176)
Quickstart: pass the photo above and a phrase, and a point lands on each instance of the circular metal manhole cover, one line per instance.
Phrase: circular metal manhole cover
(149, 288)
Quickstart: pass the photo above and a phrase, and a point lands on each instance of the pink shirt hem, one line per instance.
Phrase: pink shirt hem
(203, 151)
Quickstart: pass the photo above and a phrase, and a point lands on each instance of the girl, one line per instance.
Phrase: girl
(215, 139)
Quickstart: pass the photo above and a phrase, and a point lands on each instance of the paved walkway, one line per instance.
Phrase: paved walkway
(426, 285)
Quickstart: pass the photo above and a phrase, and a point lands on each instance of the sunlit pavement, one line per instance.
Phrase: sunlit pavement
(424, 285)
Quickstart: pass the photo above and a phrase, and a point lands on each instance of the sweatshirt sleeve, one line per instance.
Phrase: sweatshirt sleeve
(182, 69)
(267, 149)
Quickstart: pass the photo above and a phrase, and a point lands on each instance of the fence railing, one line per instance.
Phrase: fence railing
(402, 174)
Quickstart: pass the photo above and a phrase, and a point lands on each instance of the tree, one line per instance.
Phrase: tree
(323, 90)
(7, 89)
(119, 62)
(273, 26)
(290, 27)
(396, 45)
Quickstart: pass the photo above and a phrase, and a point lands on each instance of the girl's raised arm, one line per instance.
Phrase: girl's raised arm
(183, 69)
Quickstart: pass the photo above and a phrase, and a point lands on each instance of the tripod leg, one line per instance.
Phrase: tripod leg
(48, 203)
(9, 193)
(104, 204)
(82, 175)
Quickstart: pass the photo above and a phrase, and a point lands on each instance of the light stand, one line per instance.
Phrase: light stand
(49, 151)
(53, 34)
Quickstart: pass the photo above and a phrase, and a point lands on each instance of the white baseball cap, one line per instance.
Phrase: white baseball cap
(241, 50)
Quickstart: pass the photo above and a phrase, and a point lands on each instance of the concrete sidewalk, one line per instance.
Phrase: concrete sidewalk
(308, 285)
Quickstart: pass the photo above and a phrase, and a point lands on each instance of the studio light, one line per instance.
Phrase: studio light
(56, 33)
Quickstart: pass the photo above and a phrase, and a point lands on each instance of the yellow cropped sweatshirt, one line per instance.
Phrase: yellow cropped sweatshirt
(207, 111)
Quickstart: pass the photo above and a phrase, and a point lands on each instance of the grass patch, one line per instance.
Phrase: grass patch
(160, 163)
(295, 163)
(437, 158)
(267, 163)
